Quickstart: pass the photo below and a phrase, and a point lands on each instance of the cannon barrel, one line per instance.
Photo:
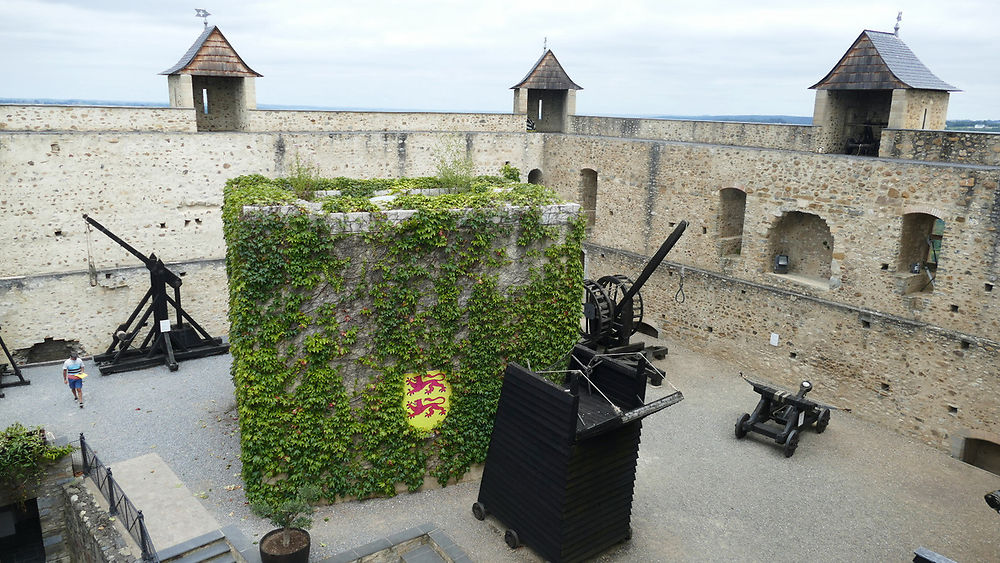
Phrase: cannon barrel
(654, 262)
(993, 500)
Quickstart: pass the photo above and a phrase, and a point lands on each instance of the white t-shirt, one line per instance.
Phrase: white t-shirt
(73, 367)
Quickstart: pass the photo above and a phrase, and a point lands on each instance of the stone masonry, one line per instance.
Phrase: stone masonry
(915, 355)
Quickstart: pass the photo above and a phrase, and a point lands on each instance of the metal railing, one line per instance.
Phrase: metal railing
(119, 505)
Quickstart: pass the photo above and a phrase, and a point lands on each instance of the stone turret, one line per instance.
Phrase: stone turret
(879, 83)
(213, 79)
(546, 95)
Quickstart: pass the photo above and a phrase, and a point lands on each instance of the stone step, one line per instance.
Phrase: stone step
(208, 547)
(208, 552)
(422, 554)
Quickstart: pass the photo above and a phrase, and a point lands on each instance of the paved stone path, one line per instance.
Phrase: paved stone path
(858, 492)
(172, 514)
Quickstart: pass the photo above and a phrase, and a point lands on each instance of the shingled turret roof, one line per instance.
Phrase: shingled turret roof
(547, 74)
(880, 61)
(211, 55)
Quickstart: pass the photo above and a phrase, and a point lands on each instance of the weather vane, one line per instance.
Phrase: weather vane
(201, 13)
(545, 44)
(899, 18)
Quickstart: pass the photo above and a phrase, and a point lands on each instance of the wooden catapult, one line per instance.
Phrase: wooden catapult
(11, 369)
(165, 343)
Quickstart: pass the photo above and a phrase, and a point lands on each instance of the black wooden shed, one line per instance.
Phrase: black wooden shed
(561, 465)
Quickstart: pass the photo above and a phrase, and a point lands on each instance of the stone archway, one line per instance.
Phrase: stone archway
(732, 208)
(919, 249)
(807, 242)
(588, 195)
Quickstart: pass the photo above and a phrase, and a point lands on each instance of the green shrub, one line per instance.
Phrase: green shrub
(508, 172)
(24, 456)
(303, 180)
(455, 171)
(294, 511)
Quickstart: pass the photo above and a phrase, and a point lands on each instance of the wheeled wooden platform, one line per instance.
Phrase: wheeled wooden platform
(561, 466)
(783, 416)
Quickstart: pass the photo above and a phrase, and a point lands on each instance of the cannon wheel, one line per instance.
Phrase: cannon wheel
(513, 542)
(479, 511)
(598, 328)
(741, 426)
(791, 443)
(616, 287)
(822, 421)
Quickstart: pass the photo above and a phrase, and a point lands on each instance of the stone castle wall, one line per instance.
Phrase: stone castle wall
(645, 187)
(290, 120)
(766, 135)
(925, 381)
(852, 328)
(49, 118)
(162, 194)
(85, 310)
(942, 146)
(95, 118)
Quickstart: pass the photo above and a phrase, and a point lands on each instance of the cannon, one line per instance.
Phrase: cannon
(612, 311)
(783, 416)
(165, 342)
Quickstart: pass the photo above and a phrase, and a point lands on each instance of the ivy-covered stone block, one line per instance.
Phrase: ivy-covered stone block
(369, 334)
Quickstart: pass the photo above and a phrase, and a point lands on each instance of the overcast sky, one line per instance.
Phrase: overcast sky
(632, 57)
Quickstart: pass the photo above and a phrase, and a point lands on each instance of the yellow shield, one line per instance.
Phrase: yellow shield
(426, 397)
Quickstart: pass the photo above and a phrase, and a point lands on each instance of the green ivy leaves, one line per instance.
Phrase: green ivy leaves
(23, 459)
(325, 327)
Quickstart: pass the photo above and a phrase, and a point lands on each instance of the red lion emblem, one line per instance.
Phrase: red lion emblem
(427, 384)
(429, 408)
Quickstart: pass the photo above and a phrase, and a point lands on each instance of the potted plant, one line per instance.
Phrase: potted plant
(289, 543)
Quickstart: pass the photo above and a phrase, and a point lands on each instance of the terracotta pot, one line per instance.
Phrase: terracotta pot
(272, 550)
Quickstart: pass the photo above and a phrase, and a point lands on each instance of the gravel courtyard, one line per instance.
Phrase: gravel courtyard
(855, 493)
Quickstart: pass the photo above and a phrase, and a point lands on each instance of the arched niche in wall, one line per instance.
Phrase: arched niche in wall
(535, 176)
(732, 209)
(920, 241)
(980, 449)
(805, 242)
(588, 195)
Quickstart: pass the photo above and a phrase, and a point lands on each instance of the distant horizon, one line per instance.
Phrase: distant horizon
(126, 103)
(641, 58)
(751, 118)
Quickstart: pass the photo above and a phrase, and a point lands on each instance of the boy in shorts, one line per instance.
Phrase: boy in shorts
(72, 369)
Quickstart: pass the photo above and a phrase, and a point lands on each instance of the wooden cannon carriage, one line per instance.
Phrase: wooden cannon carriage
(783, 416)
